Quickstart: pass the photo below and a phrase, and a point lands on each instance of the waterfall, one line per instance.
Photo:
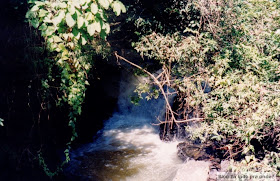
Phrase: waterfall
(128, 147)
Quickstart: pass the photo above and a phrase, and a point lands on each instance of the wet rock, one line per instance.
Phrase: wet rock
(225, 165)
(195, 151)
(193, 171)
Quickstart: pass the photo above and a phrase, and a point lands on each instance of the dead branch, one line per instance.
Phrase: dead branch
(181, 121)
(165, 95)
(173, 119)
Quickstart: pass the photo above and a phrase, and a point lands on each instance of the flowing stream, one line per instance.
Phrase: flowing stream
(128, 147)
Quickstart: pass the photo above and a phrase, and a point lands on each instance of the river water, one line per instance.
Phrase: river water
(128, 147)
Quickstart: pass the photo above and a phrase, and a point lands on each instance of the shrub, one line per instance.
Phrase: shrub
(71, 30)
(235, 51)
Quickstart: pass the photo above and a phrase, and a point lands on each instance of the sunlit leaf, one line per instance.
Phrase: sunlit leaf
(82, 2)
(49, 31)
(62, 5)
(80, 21)
(97, 26)
(34, 8)
(42, 13)
(118, 7)
(106, 27)
(77, 3)
(71, 9)
(58, 18)
(65, 36)
(39, 3)
(69, 20)
(43, 27)
(47, 19)
(85, 6)
(89, 16)
(94, 8)
(104, 3)
(84, 41)
(91, 29)
(57, 39)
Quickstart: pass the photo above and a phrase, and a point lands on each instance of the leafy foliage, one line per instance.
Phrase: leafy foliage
(71, 29)
(235, 51)
(221, 57)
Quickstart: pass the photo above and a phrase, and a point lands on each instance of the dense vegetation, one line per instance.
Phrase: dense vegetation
(220, 57)
(67, 27)
(233, 48)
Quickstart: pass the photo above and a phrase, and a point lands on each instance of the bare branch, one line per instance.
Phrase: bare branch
(173, 119)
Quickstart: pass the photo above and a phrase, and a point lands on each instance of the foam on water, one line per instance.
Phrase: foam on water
(129, 147)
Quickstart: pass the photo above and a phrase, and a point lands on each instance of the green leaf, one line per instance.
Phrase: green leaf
(42, 13)
(80, 21)
(94, 8)
(103, 34)
(62, 28)
(43, 27)
(62, 47)
(29, 14)
(35, 23)
(69, 20)
(104, 3)
(75, 31)
(75, 15)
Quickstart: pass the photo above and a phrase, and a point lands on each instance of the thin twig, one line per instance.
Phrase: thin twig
(173, 119)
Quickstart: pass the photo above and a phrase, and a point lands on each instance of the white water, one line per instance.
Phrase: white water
(128, 147)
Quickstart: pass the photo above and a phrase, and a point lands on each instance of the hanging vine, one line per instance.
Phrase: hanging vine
(67, 27)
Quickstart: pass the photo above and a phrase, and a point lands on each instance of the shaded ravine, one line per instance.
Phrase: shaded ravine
(128, 147)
